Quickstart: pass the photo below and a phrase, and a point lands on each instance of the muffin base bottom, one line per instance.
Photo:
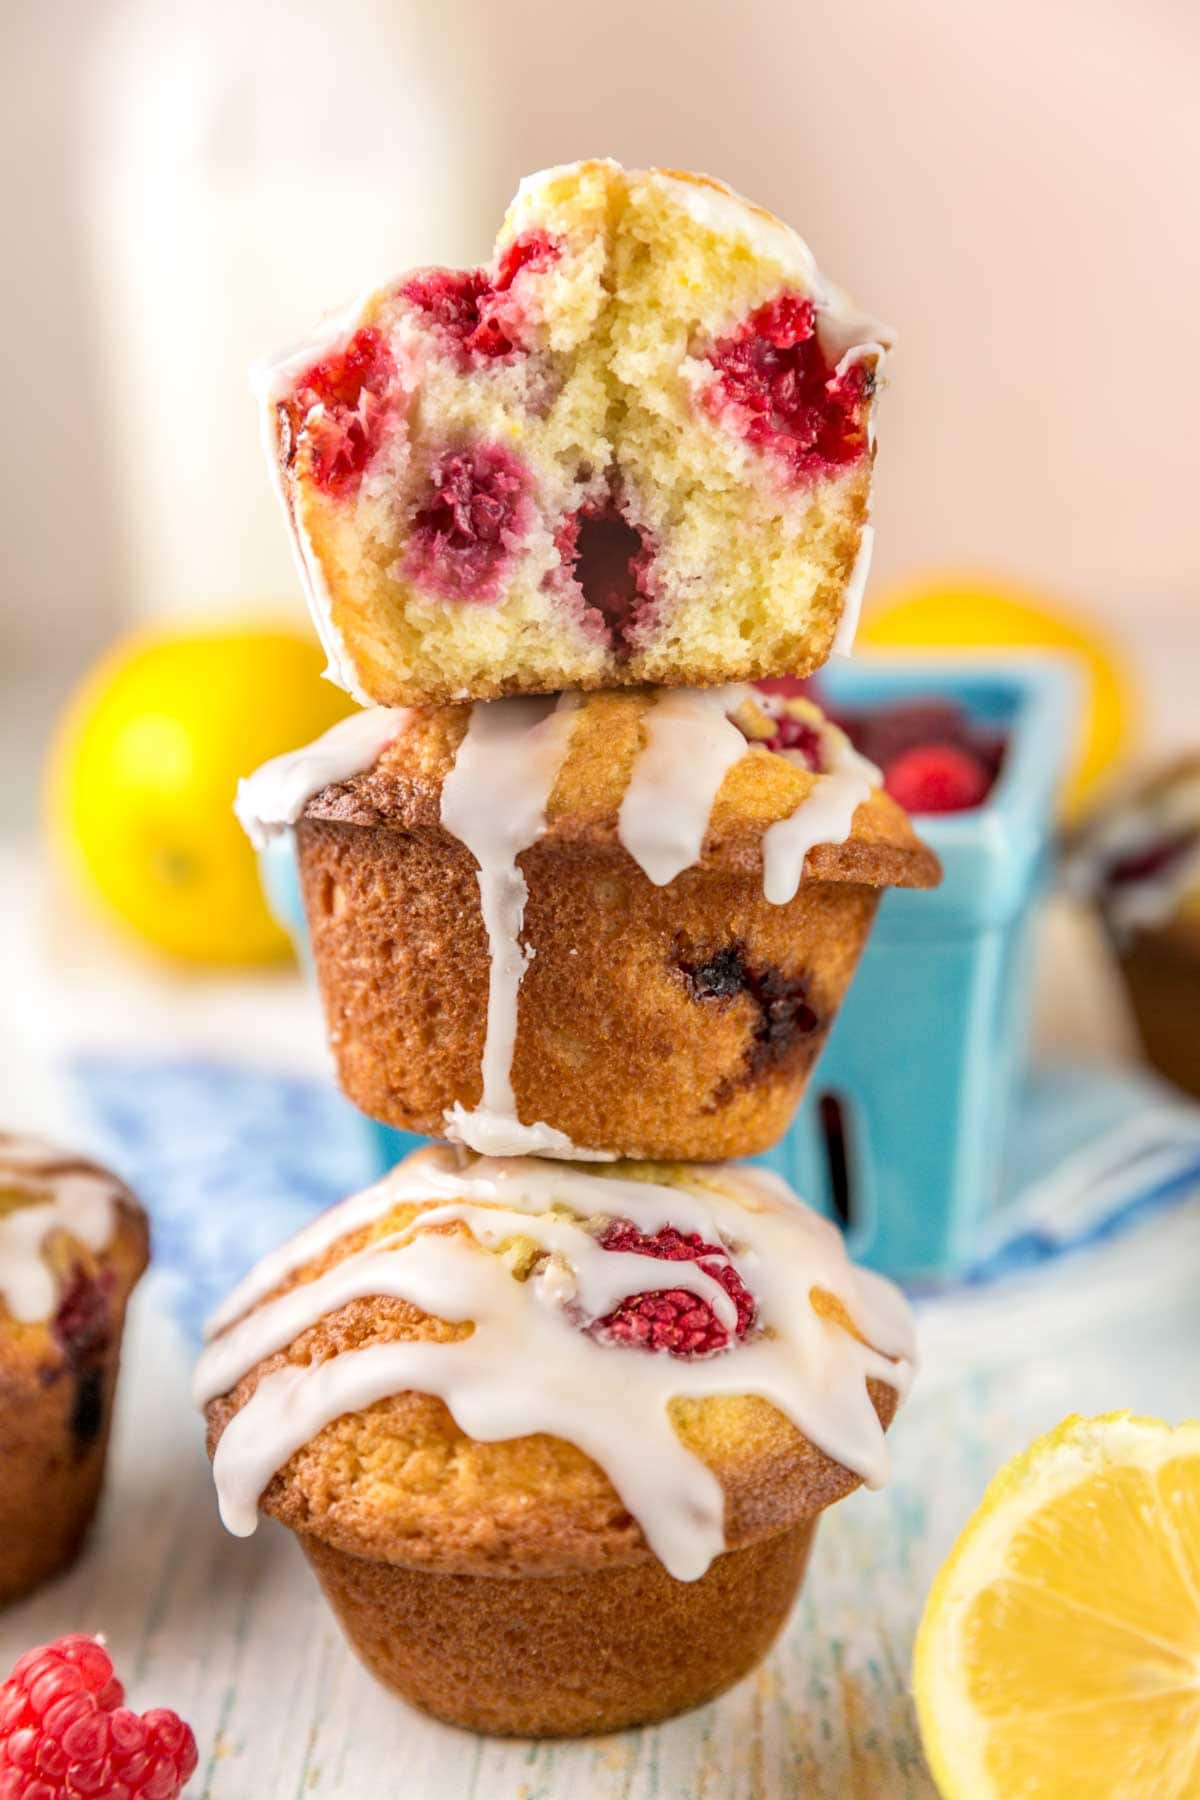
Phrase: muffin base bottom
(49, 1487)
(564, 1655)
(1162, 981)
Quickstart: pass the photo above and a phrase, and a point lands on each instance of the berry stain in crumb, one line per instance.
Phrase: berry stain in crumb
(611, 562)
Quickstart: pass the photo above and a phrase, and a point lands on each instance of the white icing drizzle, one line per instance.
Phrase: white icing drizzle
(856, 587)
(494, 801)
(528, 1366)
(273, 798)
(273, 379)
(825, 816)
(691, 744)
(82, 1203)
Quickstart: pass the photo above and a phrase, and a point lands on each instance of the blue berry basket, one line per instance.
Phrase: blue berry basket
(901, 1136)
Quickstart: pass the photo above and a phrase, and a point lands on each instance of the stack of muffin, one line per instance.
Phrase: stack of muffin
(583, 903)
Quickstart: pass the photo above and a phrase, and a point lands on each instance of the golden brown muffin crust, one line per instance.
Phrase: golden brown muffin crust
(57, 1381)
(403, 790)
(400, 1482)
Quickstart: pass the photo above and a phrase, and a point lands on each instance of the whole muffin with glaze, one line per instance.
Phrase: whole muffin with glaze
(636, 447)
(500, 1403)
(1139, 861)
(73, 1242)
(601, 970)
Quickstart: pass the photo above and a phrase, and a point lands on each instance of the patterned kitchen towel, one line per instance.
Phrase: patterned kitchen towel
(231, 1160)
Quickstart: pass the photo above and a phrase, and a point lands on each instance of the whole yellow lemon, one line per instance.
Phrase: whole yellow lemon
(143, 773)
(970, 612)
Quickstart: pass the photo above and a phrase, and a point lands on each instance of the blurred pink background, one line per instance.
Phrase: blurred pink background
(1014, 188)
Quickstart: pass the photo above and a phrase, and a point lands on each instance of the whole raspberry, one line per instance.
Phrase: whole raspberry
(937, 778)
(65, 1733)
(672, 1319)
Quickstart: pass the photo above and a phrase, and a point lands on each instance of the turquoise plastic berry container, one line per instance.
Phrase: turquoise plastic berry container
(901, 1136)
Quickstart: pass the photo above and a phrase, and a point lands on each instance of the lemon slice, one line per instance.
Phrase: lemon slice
(1059, 1652)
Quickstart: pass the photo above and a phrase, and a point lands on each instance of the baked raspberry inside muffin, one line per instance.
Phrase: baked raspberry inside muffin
(635, 447)
(555, 1441)
(614, 924)
(73, 1243)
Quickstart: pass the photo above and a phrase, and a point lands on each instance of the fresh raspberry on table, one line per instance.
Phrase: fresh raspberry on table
(673, 1319)
(66, 1734)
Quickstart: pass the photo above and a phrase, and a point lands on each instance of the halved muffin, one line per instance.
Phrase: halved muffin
(636, 447)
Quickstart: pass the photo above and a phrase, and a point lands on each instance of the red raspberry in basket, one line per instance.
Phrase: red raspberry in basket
(937, 778)
(673, 1319)
(65, 1733)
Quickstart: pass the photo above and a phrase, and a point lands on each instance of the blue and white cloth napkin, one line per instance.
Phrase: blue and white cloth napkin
(231, 1160)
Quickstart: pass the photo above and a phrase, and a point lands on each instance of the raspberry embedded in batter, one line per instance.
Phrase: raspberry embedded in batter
(611, 562)
(475, 516)
(774, 388)
(672, 1319)
(479, 311)
(787, 1021)
(350, 388)
(800, 737)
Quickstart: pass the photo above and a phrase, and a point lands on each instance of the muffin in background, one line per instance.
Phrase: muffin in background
(514, 1412)
(73, 1243)
(1139, 860)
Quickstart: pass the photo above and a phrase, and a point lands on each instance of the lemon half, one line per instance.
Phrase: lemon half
(1059, 1652)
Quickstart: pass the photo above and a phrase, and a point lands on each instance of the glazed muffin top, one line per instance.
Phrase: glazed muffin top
(641, 769)
(73, 1242)
(483, 1365)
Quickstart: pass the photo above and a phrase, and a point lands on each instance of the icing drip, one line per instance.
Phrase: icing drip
(272, 380)
(494, 801)
(529, 1366)
(691, 744)
(856, 587)
(825, 816)
(81, 1203)
(273, 798)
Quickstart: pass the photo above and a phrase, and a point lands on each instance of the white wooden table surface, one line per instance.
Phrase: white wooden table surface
(236, 1636)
